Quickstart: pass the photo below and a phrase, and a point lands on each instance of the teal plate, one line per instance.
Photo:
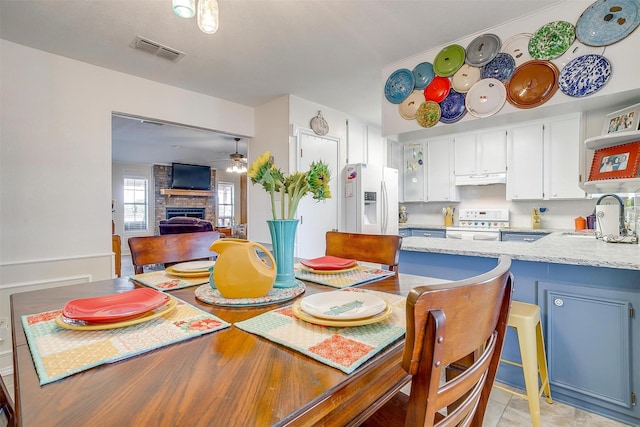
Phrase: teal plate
(552, 40)
(399, 85)
(423, 73)
(607, 21)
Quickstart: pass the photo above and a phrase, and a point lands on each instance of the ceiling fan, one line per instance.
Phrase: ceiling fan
(238, 161)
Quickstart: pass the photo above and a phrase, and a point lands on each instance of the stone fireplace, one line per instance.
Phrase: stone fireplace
(167, 206)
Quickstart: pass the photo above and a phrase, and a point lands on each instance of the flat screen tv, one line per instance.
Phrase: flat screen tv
(190, 177)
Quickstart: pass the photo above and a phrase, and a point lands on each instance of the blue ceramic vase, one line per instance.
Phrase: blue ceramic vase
(283, 237)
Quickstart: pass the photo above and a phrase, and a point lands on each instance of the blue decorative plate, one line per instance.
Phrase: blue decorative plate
(452, 108)
(552, 40)
(399, 85)
(482, 49)
(501, 67)
(584, 75)
(423, 74)
(607, 21)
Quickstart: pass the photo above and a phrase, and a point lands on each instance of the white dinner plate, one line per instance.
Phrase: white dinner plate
(342, 305)
(193, 266)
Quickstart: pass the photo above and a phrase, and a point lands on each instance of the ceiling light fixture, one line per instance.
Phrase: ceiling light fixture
(237, 161)
(207, 10)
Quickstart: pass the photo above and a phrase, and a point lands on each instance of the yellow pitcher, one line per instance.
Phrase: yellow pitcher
(239, 271)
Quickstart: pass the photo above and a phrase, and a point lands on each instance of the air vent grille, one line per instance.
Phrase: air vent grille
(154, 48)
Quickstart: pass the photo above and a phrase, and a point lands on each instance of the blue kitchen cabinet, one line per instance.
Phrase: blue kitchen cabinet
(404, 232)
(519, 236)
(591, 333)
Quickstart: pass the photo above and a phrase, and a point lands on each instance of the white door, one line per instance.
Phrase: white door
(317, 217)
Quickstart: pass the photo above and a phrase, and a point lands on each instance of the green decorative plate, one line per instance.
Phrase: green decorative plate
(552, 40)
(428, 114)
(448, 60)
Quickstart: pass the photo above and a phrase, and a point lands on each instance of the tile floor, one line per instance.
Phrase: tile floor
(504, 410)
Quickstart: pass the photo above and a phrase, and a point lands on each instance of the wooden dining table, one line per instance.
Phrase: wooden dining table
(225, 378)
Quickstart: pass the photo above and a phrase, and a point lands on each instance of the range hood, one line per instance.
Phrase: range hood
(492, 178)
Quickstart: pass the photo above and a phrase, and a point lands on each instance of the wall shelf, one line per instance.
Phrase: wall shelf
(189, 193)
(612, 139)
(628, 185)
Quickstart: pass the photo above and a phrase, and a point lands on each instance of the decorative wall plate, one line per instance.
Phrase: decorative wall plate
(423, 74)
(486, 98)
(464, 78)
(518, 47)
(532, 84)
(438, 89)
(585, 75)
(452, 108)
(501, 67)
(399, 85)
(409, 106)
(607, 21)
(319, 125)
(428, 114)
(552, 40)
(448, 60)
(482, 49)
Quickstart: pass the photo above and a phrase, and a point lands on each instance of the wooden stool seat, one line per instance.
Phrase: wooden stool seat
(525, 319)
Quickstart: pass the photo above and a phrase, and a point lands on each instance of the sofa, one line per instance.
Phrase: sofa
(183, 224)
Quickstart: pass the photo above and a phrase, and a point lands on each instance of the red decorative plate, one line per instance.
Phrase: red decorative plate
(328, 263)
(438, 89)
(115, 307)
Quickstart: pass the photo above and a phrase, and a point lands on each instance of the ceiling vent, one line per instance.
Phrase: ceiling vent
(156, 49)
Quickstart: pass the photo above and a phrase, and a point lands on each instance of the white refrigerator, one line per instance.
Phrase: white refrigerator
(371, 193)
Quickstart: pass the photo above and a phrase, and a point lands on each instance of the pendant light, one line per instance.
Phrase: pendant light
(208, 16)
(184, 8)
(237, 161)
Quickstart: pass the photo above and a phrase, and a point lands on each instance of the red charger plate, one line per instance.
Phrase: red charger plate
(328, 263)
(115, 307)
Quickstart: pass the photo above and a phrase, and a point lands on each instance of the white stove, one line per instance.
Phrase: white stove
(479, 224)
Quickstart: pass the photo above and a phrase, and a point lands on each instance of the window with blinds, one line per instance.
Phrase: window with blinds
(225, 204)
(135, 204)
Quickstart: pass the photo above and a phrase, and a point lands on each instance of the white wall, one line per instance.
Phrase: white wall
(55, 162)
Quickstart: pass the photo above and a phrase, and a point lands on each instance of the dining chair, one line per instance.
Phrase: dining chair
(458, 326)
(7, 408)
(169, 249)
(381, 249)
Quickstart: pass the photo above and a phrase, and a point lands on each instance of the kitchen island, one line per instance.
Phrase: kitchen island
(586, 289)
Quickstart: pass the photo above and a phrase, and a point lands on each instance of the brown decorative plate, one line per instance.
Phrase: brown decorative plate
(532, 84)
(428, 114)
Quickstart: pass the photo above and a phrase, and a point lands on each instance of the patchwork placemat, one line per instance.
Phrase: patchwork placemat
(58, 352)
(207, 294)
(162, 281)
(361, 274)
(341, 348)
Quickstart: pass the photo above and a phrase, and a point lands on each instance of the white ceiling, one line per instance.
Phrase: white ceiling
(326, 51)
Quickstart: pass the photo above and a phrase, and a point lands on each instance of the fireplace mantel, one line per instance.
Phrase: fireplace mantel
(189, 193)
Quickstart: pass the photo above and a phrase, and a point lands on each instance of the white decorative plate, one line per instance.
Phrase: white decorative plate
(486, 98)
(341, 305)
(193, 266)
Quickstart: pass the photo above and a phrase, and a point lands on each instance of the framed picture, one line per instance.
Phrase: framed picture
(620, 161)
(622, 120)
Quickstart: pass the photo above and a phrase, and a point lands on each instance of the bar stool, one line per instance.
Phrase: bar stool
(525, 319)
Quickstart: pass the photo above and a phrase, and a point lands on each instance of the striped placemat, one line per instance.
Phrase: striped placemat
(357, 276)
(162, 281)
(58, 352)
(342, 348)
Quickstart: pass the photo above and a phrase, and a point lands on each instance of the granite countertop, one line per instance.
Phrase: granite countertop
(559, 247)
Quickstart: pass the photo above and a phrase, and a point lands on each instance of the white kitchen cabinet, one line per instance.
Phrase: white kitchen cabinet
(562, 143)
(544, 160)
(481, 153)
(375, 146)
(365, 144)
(440, 179)
(525, 156)
(413, 172)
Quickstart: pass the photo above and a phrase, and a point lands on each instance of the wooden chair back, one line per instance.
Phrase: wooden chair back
(381, 249)
(462, 320)
(7, 408)
(170, 249)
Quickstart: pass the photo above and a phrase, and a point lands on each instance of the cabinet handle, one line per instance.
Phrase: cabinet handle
(528, 239)
(426, 234)
(558, 302)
